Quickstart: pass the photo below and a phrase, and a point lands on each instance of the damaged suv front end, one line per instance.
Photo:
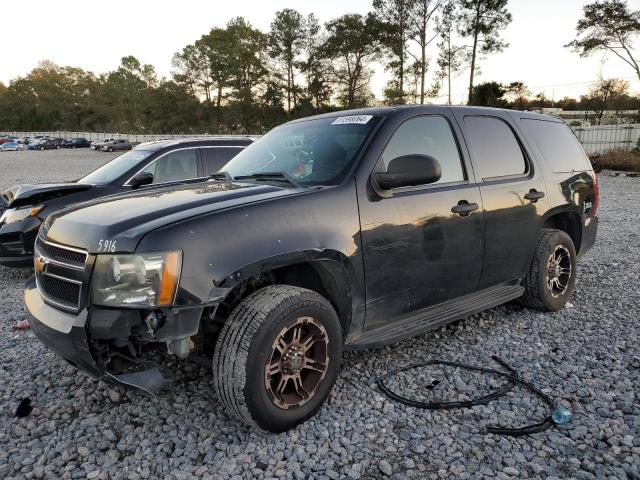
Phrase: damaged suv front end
(102, 312)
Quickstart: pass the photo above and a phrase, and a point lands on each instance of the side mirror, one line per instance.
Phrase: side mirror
(409, 171)
(141, 179)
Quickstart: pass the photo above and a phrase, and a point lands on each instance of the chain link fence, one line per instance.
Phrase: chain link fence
(602, 138)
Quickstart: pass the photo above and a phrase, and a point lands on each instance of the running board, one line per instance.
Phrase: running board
(433, 317)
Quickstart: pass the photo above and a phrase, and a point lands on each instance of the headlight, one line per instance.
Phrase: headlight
(12, 215)
(139, 280)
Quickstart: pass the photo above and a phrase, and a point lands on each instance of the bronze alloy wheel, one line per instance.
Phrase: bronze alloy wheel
(298, 363)
(559, 271)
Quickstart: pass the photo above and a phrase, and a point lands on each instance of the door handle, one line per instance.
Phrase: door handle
(464, 208)
(533, 196)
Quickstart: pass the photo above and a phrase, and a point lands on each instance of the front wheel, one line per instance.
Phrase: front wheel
(41, 149)
(552, 275)
(277, 357)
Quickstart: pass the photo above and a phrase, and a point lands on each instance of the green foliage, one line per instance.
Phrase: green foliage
(482, 21)
(286, 44)
(238, 79)
(489, 94)
(353, 40)
(608, 26)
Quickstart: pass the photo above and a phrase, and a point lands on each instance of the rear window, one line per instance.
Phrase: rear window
(558, 145)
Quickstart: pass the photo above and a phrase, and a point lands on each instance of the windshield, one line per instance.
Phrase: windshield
(116, 167)
(317, 152)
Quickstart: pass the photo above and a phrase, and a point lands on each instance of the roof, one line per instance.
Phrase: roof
(198, 141)
(387, 111)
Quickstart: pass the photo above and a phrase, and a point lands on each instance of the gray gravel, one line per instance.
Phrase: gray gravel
(587, 356)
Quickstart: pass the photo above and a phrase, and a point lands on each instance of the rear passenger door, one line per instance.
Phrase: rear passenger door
(215, 158)
(512, 190)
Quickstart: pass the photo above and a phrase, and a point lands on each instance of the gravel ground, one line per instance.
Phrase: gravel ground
(33, 166)
(587, 356)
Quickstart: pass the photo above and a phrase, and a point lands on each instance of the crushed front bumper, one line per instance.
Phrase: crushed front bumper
(66, 335)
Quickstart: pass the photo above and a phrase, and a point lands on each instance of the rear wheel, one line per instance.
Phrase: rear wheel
(110, 149)
(41, 149)
(552, 276)
(278, 357)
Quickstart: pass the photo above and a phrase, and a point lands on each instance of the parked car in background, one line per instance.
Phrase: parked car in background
(48, 144)
(119, 144)
(15, 146)
(77, 143)
(149, 165)
(98, 143)
(5, 139)
(33, 144)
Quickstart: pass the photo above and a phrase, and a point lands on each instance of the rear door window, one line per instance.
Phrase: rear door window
(557, 144)
(215, 158)
(495, 151)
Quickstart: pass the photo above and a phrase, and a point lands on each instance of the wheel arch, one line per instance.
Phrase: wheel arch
(326, 272)
(566, 220)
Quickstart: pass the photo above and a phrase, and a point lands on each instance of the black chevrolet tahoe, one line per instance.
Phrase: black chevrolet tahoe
(149, 165)
(340, 231)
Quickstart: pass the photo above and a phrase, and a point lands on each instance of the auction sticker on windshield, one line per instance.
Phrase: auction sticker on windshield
(360, 119)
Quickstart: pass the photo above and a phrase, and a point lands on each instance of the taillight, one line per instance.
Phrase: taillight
(596, 194)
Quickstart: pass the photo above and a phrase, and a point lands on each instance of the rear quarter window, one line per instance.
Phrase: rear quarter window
(557, 144)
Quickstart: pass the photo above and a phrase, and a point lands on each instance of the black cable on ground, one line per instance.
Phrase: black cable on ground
(512, 377)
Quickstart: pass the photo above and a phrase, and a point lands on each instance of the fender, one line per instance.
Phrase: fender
(223, 248)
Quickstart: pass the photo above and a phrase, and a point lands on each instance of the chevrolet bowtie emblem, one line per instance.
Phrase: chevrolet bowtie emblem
(39, 264)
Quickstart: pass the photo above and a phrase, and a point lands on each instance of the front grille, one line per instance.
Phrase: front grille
(59, 253)
(60, 291)
(61, 273)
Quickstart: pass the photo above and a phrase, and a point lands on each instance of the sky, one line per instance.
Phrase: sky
(95, 34)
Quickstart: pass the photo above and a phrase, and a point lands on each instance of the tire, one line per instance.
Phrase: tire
(109, 149)
(247, 344)
(41, 149)
(541, 292)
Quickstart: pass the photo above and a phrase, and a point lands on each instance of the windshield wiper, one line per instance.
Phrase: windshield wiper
(222, 176)
(278, 177)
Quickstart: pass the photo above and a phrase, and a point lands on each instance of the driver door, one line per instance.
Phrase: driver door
(417, 253)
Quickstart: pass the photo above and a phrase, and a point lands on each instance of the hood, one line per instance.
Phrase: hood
(23, 195)
(125, 218)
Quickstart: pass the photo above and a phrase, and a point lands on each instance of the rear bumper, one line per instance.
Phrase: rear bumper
(589, 233)
(16, 242)
(22, 261)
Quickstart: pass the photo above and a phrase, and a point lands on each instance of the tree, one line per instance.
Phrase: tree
(517, 94)
(396, 15)
(452, 57)
(314, 66)
(608, 26)
(421, 16)
(353, 40)
(482, 21)
(489, 94)
(606, 94)
(286, 42)
(192, 69)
